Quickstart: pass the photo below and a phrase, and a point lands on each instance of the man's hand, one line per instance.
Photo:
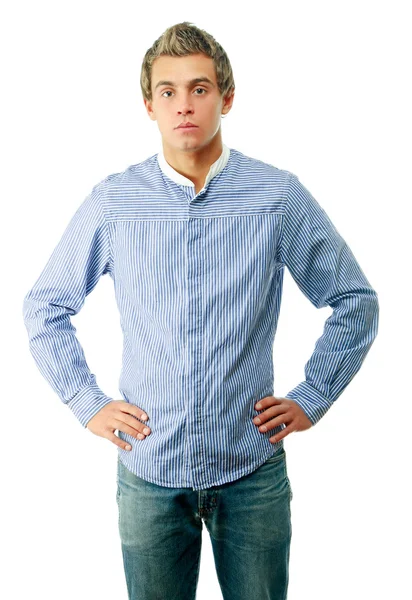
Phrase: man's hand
(120, 415)
(278, 411)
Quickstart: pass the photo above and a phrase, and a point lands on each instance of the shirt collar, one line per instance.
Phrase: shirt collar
(215, 168)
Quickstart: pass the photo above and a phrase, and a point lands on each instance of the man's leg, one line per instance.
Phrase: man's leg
(160, 538)
(250, 530)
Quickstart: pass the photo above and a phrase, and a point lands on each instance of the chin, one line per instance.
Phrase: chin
(190, 145)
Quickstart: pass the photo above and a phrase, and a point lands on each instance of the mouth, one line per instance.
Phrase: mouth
(187, 126)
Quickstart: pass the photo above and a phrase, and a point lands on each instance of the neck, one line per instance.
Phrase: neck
(194, 164)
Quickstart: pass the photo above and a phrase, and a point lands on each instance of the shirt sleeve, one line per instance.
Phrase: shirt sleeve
(326, 271)
(81, 256)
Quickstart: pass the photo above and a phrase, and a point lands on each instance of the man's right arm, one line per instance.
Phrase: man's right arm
(81, 257)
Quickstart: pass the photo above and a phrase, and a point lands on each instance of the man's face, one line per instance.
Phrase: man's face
(185, 100)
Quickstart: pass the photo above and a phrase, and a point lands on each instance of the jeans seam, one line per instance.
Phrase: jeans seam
(196, 574)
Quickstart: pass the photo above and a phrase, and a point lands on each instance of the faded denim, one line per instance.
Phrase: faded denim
(248, 520)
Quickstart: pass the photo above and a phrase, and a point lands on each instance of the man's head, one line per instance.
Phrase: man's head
(186, 76)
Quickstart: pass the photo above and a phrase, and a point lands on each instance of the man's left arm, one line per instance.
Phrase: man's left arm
(326, 271)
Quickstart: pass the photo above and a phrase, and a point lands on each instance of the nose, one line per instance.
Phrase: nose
(186, 106)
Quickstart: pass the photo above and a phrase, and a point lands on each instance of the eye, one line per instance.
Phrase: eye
(169, 92)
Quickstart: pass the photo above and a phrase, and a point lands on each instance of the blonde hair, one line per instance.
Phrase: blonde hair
(183, 39)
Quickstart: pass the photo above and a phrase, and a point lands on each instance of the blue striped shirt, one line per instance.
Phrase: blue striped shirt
(198, 283)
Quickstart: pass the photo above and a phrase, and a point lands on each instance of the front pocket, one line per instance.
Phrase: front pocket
(277, 456)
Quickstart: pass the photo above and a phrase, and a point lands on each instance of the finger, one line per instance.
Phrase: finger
(269, 413)
(127, 407)
(282, 434)
(137, 432)
(272, 424)
(267, 401)
(118, 442)
(136, 425)
(275, 400)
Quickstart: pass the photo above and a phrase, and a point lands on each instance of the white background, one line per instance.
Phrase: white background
(322, 90)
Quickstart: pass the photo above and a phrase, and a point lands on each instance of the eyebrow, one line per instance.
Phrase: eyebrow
(189, 83)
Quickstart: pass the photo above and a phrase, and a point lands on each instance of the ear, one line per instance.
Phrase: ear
(228, 101)
(149, 108)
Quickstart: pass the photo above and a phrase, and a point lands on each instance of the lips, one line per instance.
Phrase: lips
(186, 125)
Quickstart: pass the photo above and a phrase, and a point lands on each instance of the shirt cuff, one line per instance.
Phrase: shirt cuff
(312, 402)
(87, 402)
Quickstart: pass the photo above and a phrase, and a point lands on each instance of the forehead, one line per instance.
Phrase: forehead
(180, 69)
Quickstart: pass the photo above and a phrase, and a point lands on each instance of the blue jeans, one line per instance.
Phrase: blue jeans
(249, 522)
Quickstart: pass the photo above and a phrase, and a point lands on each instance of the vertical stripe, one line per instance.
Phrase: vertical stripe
(198, 283)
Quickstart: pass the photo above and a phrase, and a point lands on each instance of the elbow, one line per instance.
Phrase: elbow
(30, 305)
(26, 307)
(370, 315)
(375, 313)
(33, 310)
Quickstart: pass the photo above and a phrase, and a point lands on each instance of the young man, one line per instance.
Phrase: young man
(196, 238)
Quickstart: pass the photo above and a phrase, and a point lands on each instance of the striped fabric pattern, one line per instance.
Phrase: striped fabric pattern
(198, 282)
